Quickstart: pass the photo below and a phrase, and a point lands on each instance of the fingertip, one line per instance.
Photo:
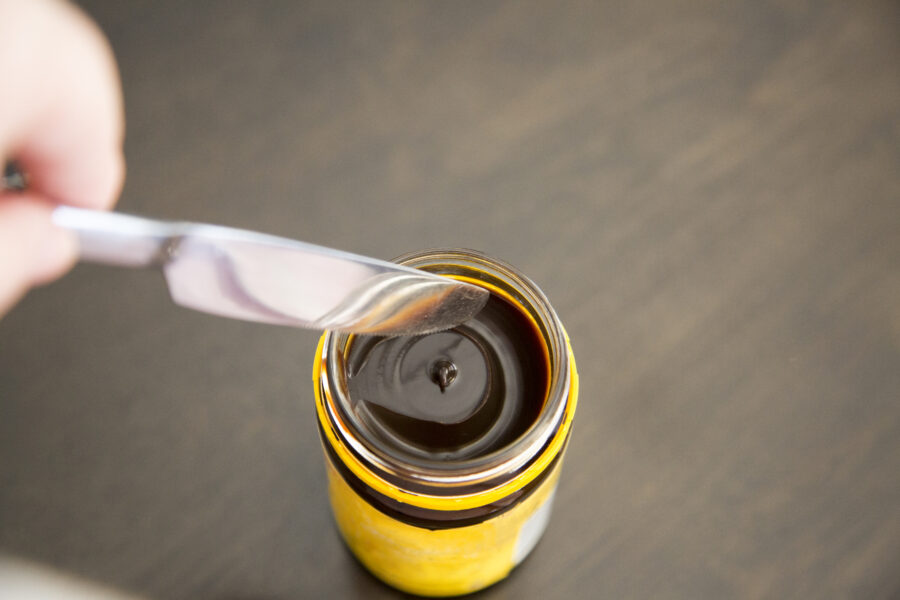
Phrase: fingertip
(98, 188)
(96, 185)
(116, 181)
(108, 183)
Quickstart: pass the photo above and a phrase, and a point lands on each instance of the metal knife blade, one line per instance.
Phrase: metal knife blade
(257, 277)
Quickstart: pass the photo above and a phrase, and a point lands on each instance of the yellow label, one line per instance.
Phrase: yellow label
(441, 562)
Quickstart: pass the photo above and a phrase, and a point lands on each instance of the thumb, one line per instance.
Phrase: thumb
(32, 249)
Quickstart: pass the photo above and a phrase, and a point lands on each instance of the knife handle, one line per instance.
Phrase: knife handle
(116, 239)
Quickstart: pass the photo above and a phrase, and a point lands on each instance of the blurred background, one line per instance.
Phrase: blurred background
(709, 194)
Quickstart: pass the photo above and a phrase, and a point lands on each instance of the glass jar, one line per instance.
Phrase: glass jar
(447, 502)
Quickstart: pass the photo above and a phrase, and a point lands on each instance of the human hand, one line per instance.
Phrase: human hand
(61, 119)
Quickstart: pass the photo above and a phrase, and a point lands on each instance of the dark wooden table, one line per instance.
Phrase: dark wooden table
(709, 194)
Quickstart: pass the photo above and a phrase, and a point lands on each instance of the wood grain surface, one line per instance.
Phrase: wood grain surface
(709, 194)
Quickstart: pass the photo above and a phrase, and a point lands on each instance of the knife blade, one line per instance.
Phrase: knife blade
(258, 277)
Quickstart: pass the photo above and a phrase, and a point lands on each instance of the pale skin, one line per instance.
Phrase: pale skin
(61, 119)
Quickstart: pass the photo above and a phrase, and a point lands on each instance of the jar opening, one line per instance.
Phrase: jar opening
(504, 393)
(452, 395)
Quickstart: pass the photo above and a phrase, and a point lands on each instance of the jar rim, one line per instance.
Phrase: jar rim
(472, 474)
